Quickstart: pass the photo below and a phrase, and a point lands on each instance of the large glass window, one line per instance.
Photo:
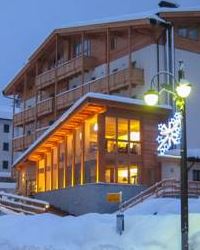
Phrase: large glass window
(128, 174)
(91, 130)
(122, 135)
(110, 128)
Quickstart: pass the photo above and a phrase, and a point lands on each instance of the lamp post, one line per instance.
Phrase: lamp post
(180, 93)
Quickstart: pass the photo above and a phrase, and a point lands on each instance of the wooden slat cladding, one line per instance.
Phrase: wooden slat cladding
(45, 107)
(27, 116)
(64, 70)
(23, 142)
(117, 80)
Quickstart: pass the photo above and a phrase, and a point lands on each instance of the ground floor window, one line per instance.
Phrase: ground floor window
(123, 174)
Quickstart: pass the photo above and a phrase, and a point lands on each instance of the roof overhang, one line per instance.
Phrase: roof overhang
(85, 107)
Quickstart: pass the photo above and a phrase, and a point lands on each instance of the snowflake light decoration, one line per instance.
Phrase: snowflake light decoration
(169, 134)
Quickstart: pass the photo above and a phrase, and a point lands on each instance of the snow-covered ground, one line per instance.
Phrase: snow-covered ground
(151, 225)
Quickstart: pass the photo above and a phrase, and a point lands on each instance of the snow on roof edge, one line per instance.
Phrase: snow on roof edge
(126, 100)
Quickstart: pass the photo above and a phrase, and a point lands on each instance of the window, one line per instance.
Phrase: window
(6, 128)
(188, 33)
(5, 164)
(196, 175)
(86, 48)
(113, 43)
(122, 135)
(5, 146)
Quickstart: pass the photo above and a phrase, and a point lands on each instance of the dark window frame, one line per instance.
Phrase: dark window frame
(5, 165)
(5, 146)
(6, 128)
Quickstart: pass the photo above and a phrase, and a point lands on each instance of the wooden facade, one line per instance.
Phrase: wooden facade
(98, 141)
(60, 72)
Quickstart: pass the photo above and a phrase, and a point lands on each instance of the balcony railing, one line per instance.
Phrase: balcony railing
(27, 115)
(45, 107)
(64, 70)
(117, 80)
(22, 142)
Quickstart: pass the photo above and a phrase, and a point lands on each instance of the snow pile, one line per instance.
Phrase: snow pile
(143, 229)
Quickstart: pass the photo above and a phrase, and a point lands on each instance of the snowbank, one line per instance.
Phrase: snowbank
(143, 229)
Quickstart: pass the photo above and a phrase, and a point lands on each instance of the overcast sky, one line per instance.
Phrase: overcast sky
(24, 24)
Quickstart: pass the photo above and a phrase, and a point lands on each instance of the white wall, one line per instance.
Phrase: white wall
(5, 137)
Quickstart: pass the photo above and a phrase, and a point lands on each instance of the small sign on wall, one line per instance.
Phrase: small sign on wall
(114, 197)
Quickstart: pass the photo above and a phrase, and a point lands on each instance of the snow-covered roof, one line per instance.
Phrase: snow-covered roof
(98, 96)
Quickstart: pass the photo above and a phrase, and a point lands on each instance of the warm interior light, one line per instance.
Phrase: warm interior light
(184, 88)
(135, 136)
(95, 127)
(151, 97)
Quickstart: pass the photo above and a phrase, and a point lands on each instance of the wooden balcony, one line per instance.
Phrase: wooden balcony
(45, 107)
(26, 116)
(117, 80)
(64, 70)
(40, 131)
(23, 142)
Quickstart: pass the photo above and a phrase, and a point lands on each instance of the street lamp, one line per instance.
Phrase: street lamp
(180, 93)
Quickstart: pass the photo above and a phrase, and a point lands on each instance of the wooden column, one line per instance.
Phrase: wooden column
(52, 169)
(73, 157)
(45, 172)
(58, 166)
(108, 58)
(101, 148)
(37, 176)
(82, 62)
(129, 57)
(83, 154)
(65, 166)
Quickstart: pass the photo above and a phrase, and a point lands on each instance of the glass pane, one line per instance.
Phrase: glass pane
(110, 128)
(134, 130)
(193, 33)
(91, 129)
(135, 148)
(111, 146)
(122, 129)
(133, 175)
(122, 147)
(123, 175)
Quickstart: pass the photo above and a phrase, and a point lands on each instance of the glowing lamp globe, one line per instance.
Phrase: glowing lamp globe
(151, 97)
(183, 89)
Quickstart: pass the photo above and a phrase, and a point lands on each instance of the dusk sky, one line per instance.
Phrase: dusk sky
(26, 23)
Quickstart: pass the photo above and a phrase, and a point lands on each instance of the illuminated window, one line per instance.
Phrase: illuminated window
(128, 175)
(55, 168)
(123, 175)
(41, 176)
(123, 129)
(69, 171)
(133, 175)
(128, 135)
(110, 128)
